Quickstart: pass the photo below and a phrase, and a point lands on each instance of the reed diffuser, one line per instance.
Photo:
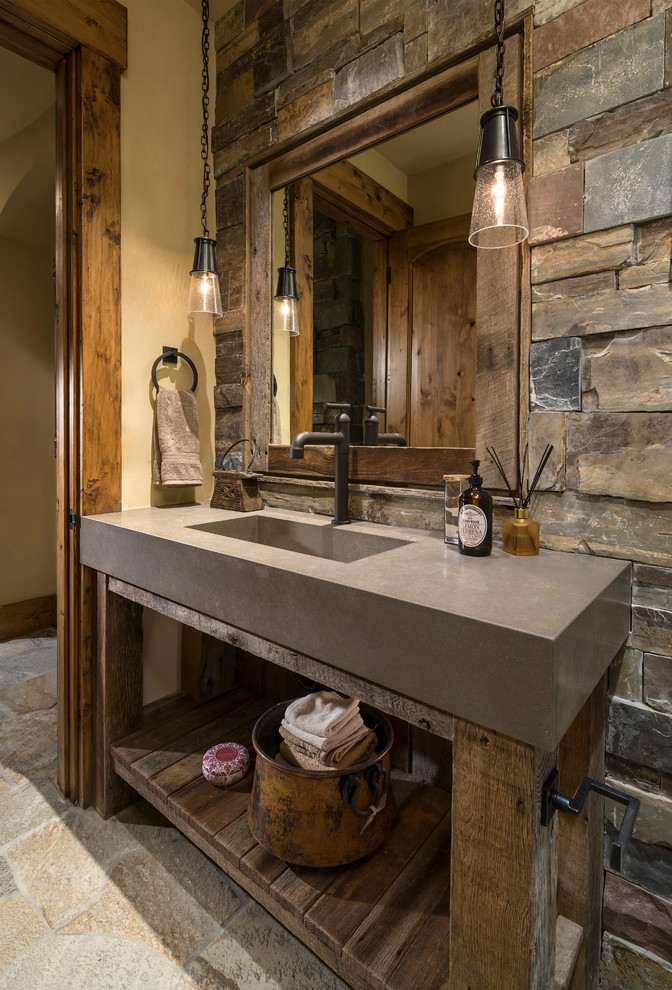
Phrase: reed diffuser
(520, 535)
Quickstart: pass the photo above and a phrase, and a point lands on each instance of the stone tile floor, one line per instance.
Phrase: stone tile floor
(124, 904)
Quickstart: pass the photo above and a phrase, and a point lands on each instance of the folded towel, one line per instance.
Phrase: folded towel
(297, 757)
(177, 458)
(354, 725)
(323, 713)
(362, 748)
(361, 742)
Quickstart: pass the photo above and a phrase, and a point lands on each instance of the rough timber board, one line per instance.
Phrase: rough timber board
(366, 949)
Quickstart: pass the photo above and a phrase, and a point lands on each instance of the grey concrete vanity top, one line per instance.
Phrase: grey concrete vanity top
(515, 644)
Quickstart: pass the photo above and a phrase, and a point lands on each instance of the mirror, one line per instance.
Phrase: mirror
(380, 239)
(502, 285)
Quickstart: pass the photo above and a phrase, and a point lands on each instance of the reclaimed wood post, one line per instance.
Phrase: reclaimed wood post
(503, 865)
(118, 709)
(580, 840)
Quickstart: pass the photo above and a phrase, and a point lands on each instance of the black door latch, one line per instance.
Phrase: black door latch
(551, 800)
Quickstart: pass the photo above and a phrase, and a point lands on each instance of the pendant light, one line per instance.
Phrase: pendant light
(286, 308)
(204, 294)
(499, 216)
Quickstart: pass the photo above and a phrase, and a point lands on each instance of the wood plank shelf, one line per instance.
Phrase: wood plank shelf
(380, 923)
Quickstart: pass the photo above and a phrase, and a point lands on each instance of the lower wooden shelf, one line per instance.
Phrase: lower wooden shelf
(380, 923)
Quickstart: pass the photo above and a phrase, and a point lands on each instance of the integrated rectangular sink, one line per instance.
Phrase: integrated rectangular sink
(329, 542)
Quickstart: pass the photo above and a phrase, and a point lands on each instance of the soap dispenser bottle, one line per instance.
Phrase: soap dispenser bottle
(474, 521)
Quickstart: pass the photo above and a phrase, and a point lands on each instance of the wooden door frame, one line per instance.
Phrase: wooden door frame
(84, 43)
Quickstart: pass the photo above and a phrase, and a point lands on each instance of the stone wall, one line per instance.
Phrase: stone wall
(338, 323)
(601, 355)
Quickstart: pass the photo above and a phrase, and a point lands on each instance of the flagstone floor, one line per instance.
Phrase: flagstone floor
(124, 904)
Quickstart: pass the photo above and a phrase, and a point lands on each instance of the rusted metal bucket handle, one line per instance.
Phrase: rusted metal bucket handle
(255, 449)
(351, 785)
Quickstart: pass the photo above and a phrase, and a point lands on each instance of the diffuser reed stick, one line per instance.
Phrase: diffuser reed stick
(519, 500)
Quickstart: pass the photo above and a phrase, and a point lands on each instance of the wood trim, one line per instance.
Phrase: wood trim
(354, 195)
(424, 716)
(118, 691)
(499, 410)
(87, 52)
(503, 865)
(417, 465)
(580, 840)
(257, 339)
(24, 618)
(51, 29)
(301, 347)
(498, 319)
(430, 98)
(88, 267)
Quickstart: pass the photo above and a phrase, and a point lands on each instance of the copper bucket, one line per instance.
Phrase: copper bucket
(320, 818)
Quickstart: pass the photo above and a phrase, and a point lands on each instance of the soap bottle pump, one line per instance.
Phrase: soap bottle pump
(474, 523)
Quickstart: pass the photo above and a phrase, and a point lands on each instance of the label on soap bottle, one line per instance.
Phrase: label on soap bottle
(472, 525)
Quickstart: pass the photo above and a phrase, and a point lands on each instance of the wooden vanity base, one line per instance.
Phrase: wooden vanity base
(380, 923)
(462, 894)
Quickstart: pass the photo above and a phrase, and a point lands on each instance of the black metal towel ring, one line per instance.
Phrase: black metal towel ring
(170, 356)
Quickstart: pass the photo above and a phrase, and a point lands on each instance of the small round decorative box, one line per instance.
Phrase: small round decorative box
(226, 763)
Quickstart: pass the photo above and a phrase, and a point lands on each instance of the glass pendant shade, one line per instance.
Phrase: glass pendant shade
(204, 295)
(499, 216)
(286, 304)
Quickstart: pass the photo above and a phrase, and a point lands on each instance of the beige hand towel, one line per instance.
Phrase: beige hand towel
(361, 751)
(322, 713)
(354, 725)
(338, 755)
(176, 459)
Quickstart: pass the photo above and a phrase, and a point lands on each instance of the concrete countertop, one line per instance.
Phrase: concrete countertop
(515, 644)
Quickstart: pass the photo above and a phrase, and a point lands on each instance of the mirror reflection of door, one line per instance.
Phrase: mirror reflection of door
(391, 318)
(431, 332)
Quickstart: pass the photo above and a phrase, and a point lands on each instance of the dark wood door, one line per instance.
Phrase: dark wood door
(431, 382)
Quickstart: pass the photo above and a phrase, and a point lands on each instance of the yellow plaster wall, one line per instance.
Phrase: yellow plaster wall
(161, 181)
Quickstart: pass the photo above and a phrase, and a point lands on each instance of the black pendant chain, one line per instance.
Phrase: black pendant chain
(205, 137)
(498, 96)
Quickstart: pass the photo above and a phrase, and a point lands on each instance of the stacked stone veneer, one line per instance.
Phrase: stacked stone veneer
(338, 316)
(601, 354)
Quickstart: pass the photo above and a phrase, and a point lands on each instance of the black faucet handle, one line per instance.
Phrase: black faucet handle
(375, 409)
(551, 801)
(337, 405)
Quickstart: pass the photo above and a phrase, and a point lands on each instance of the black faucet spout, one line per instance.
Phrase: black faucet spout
(340, 440)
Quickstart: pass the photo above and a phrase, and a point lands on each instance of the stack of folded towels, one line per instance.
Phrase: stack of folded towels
(325, 731)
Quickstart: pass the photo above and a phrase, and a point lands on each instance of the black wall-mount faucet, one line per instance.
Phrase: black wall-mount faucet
(340, 439)
(371, 435)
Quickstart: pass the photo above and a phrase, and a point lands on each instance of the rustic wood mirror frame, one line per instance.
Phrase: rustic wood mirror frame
(503, 284)
(87, 52)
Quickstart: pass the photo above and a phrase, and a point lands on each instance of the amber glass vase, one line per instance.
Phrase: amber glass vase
(520, 535)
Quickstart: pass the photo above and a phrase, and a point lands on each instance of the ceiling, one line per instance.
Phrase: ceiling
(441, 140)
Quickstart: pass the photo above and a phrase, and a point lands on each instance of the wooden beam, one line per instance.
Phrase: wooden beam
(405, 465)
(257, 340)
(421, 102)
(580, 842)
(389, 702)
(502, 907)
(356, 197)
(118, 691)
(63, 25)
(301, 348)
(498, 318)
